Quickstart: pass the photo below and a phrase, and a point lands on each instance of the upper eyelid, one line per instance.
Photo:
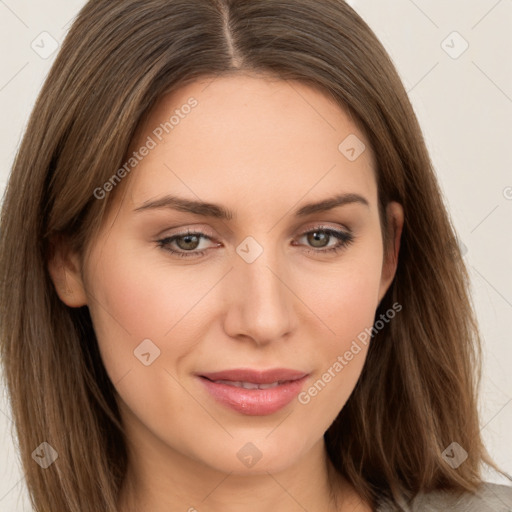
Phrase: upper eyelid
(205, 231)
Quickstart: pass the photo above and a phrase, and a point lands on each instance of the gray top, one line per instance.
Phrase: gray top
(490, 498)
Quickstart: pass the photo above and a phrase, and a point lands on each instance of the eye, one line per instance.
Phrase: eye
(319, 237)
(187, 244)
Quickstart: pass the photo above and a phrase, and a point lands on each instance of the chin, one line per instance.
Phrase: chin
(252, 455)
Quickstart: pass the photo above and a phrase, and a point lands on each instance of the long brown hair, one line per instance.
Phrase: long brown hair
(118, 59)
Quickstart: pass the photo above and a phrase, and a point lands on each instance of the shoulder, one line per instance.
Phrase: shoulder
(489, 498)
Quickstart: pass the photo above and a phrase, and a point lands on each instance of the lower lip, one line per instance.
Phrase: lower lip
(255, 402)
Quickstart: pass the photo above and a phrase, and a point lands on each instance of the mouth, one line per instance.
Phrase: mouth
(254, 392)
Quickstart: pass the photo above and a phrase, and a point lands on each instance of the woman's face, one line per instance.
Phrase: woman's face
(274, 292)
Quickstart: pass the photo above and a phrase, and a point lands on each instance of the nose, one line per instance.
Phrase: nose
(260, 302)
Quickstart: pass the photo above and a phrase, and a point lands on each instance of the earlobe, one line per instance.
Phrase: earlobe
(395, 217)
(65, 272)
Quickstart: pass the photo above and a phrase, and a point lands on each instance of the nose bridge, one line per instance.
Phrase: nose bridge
(261, 307)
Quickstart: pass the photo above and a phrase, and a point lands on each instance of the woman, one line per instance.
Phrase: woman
(231, 277)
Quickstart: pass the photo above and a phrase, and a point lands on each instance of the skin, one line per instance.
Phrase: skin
(261, 147)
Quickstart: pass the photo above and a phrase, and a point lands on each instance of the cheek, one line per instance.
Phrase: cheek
(345, 298)
(348, 311)
(345, 302)
(143, 297)
(132, 302)
(135, 298)
(129, 302)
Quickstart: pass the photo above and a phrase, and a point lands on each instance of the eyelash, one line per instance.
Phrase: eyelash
(345, 239)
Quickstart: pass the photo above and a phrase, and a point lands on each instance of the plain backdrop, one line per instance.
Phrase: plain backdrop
(454, 59)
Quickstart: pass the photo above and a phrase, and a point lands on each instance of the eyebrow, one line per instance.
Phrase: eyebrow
(219, 212)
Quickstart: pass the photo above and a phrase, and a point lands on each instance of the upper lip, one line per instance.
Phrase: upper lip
(255, 376)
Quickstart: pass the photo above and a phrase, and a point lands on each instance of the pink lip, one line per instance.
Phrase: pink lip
(255, 402)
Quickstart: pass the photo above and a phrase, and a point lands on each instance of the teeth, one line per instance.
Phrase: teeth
(249, 385)
(268, 386)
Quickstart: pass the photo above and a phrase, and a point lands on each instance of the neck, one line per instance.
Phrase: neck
(159, 482)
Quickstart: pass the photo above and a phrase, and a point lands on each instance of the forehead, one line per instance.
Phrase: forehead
(253, 139)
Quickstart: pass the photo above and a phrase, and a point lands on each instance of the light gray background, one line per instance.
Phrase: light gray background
(464, 105)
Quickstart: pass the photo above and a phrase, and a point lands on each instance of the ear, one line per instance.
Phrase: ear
(395, 218)
(65, 271)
